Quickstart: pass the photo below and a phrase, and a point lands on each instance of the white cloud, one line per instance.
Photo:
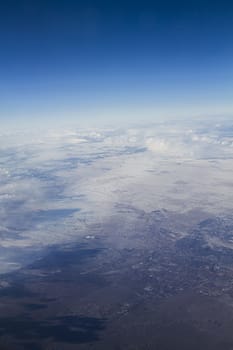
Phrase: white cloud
(95, 170)
(161, 146)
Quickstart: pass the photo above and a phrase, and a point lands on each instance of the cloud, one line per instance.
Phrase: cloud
(95, 169)
(167, 148)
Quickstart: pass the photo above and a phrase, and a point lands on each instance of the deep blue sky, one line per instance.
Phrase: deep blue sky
(108, 59)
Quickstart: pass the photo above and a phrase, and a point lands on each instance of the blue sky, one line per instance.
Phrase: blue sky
(129, 60)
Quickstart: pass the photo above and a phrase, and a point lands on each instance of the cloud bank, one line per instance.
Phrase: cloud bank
(55, 184)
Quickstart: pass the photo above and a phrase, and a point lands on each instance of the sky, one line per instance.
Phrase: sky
(114, 60)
